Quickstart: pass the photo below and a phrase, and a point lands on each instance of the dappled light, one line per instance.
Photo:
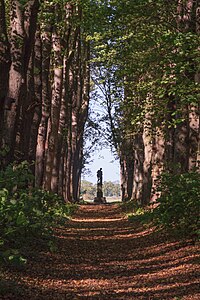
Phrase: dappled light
(78, 78)
(96, 220)
(100, 255)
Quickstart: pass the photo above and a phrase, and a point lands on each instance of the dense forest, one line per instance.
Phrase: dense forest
(142, 55)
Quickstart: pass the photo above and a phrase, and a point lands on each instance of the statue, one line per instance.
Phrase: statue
(100, 177)
(99, 198)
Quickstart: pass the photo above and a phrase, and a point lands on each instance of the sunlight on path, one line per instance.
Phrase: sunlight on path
(109, 258)
(96, 220)
(100, 255)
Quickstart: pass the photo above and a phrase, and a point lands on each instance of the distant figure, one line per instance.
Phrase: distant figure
(100, 177)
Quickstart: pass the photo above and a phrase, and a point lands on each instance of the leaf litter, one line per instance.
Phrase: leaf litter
(100, 255)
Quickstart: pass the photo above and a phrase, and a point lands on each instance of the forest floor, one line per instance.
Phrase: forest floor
(100, 255)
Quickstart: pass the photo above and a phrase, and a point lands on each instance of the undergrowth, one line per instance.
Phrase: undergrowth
(177, 210)
(179, 204)
(137, 213)
(26, 213)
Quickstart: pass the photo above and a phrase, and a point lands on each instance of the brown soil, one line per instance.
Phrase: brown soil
(101, 255)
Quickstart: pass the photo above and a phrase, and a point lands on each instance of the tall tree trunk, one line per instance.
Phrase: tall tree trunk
(84, 110)
(4, 65)
(74, 101)
(23, 22)
(46, 104)
(147, 165)
(68, 164)
(197, 80)
(193, 136)
(37, 104)
(158, 160)
(80, 111)
(181, 140)
(16, 76)
(52, 138)
(61, 150)
(127, 168)
(26, 114)
(28, 103)
(138, 175)
(58, 178)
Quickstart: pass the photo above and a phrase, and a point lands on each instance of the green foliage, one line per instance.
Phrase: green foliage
(23, 2)
(144, 216)
(179, 203)
(178, 207)
(137, 213)
(13, 257)
(129, 206)
(16, 177)
(150, 58)
(25, 212)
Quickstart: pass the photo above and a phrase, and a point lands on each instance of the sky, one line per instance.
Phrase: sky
(102, 158)
(110, 166)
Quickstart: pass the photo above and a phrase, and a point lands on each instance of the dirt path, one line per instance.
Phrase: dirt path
(102, 256)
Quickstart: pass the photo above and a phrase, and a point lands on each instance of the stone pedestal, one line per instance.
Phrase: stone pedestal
(99, 198)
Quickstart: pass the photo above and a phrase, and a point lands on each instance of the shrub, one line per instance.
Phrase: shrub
(179, 203)
(129, 206)
(16, 177)
(142, 215)
(25, 212)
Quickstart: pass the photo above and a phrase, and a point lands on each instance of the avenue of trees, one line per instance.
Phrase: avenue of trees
(147, 67)
(144, 58)
(141, 60)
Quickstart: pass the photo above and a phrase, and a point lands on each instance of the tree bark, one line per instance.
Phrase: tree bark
(158, 161)
(16, 76)
(29, 102)
(52, 138)
(138, 175)
(147, 165)
(22, 32)
(127, 165)
(5, 61)
(37, 104)
(46, 37)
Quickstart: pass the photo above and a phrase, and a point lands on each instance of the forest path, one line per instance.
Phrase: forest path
(101, 255)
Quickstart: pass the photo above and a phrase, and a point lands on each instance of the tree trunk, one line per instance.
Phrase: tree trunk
(22, 34)
(193, 136)
(37, 104)
(62, 145)
(46, 99)
(181, 143)
(28, 102)
(147, 165)
(16, 76)
(197, 80)
(138, 175)
(127, 165)
(55, 112)
(4, 65)
(158, 160)
(197, 125)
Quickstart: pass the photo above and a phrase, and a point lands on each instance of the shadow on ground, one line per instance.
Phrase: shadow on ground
(101, 255)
